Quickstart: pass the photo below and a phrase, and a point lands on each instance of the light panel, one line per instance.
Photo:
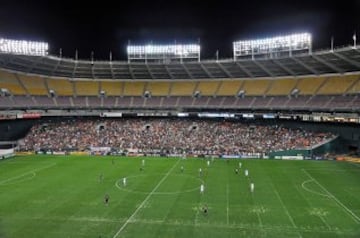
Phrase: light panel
(287, 43)
(22, 47)
(154, 52)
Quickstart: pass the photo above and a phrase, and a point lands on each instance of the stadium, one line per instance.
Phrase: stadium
(263, 143)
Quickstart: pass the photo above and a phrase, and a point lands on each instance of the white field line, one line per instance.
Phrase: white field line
(340, 204)
(311, 191)
(145, 200)
(257, 213)
(227, 204)
(285, 209)
(322, 219)
(24, 174)
(197, 215)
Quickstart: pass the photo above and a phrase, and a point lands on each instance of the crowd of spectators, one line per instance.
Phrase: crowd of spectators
(171, 135)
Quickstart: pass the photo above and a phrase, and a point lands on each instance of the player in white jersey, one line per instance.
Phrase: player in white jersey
(124, 181)
(143, 162)
(182, 169)
(240, 165)
(252, 187)
(208, 163)
(200, 172)
(202, 188)
(246, 172)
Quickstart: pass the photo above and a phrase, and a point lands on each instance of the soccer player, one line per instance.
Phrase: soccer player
(184, 155)
(240, 165)
(208, 163)
(106, 199)
(246, 172)
(252, 187)
(236, 171)
(202, 188)
(200, 172)
(205, 209)
(143, 162)
(101, 178)
(124, 181)
(182, 169)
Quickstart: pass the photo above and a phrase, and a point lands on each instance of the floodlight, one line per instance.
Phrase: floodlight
(163, 52)
(23, 47)
(147, 94)
(272, 46)
(197, 94)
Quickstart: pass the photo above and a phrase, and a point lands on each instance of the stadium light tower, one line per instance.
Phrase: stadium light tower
(273, 47)
(22, 47)
(163, 53)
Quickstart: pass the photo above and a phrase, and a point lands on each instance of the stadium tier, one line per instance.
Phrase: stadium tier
(321, 81)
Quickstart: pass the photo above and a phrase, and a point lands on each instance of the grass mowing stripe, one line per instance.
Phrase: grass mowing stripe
(145, 200)
(24, 174)
(353, 215)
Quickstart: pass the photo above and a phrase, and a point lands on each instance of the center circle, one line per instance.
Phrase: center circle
(192, 185)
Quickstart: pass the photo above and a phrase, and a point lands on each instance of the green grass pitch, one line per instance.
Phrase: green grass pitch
(63, 196)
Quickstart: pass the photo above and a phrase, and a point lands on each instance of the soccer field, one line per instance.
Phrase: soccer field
(63, 196)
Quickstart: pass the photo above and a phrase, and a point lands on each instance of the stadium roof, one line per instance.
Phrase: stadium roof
(340, 61)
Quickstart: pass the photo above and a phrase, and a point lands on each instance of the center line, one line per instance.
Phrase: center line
(147, 198)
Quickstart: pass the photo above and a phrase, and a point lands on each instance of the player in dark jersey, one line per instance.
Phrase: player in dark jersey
(205, 210)
(106, 199)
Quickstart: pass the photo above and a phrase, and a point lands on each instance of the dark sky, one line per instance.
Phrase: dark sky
(108, 25)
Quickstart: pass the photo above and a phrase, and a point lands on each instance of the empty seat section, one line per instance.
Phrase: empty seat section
(123, 101)
(86, 88)
(201, 102)
(23, 101)
(229, 102)
(298, 102)
(169, 101)
(245, 102)
(9, 81)
(94, 101)
(208, 88)
(336, 85)
(182, 88)
(44, 101)
(318, 101)
(261, 102)
(355, 88)
(79, 101)
(255, 87)
(309, 86)
(278, 102)
(215, 102)
(62, 87)
(109, 102)
(281, 87)
(158, 88)
(153, 101)
(229, 87)
(137, 101)
(112, 88)
(34, 85)
(134, 88)
(185, 101)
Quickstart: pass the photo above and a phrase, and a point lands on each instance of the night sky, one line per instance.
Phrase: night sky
(102, 26)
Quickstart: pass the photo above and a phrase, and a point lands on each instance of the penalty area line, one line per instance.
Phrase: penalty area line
(340, 204)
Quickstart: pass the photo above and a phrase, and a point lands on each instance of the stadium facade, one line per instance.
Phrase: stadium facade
(320, 86)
